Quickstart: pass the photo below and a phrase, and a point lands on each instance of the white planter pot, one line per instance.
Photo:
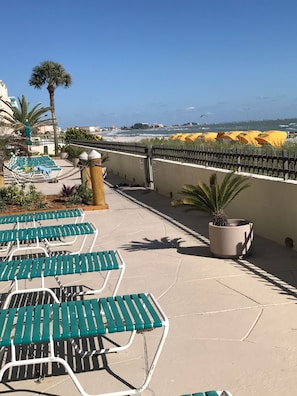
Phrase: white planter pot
(63, 155)
(75, 162)
(232, 241)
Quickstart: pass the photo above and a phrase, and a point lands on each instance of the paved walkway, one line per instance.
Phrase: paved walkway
(233, 323)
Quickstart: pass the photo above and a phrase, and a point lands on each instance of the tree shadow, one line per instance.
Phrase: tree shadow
(167, 243)
(151, 244)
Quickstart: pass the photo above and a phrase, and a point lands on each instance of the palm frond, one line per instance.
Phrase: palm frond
(213, 197)
(15, 117)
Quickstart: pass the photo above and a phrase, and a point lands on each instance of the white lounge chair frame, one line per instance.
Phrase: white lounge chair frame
(98, 263)
(71, 321)
(37, 238)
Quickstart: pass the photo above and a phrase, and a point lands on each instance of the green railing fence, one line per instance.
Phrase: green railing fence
(265, 161)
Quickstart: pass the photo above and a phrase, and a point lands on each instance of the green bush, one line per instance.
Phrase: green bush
(82, 194)
(73, 151)
(78, 134)
(21, 195)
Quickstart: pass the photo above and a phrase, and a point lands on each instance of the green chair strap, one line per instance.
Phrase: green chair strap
(208, 393)
(46, 232)
(72, 319)
(40, 216)
(59, 265)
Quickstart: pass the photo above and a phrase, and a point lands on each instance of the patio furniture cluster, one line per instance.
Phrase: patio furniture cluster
(33, 169)
(76, 317)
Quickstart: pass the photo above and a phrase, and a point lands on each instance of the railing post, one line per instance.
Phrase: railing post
(239, 162)
(149, 176)
(286, 164)
(1, 172)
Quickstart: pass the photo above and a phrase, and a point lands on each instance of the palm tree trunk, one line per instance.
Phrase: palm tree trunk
(51, 91)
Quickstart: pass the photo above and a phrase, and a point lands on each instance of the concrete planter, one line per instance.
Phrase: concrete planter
(63, 155)
(232, 241)
(75, 162)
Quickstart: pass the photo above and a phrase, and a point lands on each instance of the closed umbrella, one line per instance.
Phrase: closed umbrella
(232, 135)
(274, 138)
(28, 133)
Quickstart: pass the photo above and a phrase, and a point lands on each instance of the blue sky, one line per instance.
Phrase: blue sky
(163, 61)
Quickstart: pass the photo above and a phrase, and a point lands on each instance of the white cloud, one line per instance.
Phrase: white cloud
(190, 108)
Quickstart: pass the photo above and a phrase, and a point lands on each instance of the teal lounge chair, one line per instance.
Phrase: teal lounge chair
(33, 169)
(38, 217)
(58, 266)
(210, 393)
(76, 320)
(40, 238)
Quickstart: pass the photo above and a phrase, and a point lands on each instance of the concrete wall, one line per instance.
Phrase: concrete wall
(40, 149)
(270, 203)
(129, 166)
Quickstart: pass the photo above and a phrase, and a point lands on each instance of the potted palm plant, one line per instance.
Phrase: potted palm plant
(229, 238)
(73, 153)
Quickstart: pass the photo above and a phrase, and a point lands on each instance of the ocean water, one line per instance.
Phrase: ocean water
(288, 125)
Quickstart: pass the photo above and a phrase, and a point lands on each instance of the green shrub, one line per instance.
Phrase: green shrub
(21, 195)
(73, 151)
(75, 133)
(82, 194)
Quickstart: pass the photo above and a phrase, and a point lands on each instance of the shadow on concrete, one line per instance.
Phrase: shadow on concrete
(166, 243)
(64, 349)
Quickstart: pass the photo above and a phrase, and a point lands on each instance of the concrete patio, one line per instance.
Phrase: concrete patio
(233, 323)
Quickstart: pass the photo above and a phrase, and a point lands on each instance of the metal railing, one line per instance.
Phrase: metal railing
(131, 148)
(282, 164)
(267, 162)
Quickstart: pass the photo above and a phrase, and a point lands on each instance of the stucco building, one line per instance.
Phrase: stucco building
(4, 97)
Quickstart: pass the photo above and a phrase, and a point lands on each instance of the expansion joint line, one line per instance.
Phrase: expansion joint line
(253, 325)
(238, 292)
(174, 281)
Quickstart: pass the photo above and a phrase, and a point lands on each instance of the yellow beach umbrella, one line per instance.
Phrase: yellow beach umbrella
(193, 136)
(231, 135)
(220, 134)
(273, 138)
(176, 136)
(208, 136)
(249, 137)
(183, 136)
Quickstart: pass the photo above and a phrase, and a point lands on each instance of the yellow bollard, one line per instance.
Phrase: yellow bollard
(86, 177)
(85, 170)
(96, 179)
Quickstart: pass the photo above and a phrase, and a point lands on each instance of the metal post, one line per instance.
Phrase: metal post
(2, 183)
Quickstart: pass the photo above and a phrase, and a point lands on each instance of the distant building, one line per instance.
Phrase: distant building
(4, 97)
(47, 129)
(91, 129)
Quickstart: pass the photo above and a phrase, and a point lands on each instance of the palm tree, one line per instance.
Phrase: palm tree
(54, 75)
(16, 117)
(213, 198)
